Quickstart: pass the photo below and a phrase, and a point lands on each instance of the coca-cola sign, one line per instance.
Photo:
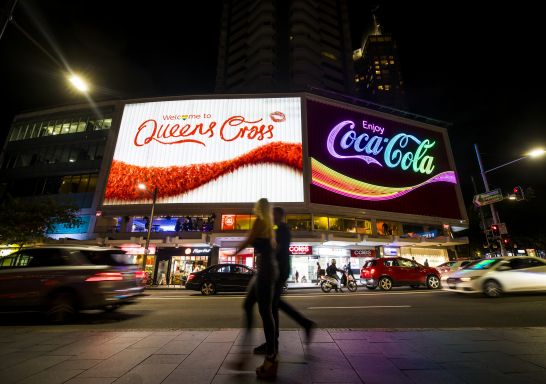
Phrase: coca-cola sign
(300, 250)
(364, 159)
(209, 151)
(363, 253)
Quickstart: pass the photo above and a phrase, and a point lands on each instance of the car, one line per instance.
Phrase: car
(62, 280)
(220, 278)
(496, 276)
(446, 269)
(388, 272)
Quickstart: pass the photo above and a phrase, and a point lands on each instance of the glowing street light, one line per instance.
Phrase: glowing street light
(142, 186)
(536, 152)
(79, 83)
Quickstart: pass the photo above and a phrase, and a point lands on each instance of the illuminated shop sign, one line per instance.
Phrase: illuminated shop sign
(363, 160)
(228, 222)
(390, 251)
(300, 250)
(68, 229)
(362, 252)
(134, 249)
(209, 151)
(196, 251)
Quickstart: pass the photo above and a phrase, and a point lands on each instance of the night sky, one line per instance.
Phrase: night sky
(482, 69)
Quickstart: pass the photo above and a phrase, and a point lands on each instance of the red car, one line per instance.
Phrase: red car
(389, 272)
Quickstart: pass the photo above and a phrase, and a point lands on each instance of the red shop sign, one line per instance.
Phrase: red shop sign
(300, 250)
(362, 252)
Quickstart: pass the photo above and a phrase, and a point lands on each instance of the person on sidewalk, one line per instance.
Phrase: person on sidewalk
(297, 276)
(282, 237)
(262, 286)
(318, 273)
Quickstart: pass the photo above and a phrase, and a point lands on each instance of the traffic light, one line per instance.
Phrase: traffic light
(495, 230)
(518, 193)
(506, 241)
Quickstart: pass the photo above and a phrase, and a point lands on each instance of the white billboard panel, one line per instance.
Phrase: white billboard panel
(208, 151)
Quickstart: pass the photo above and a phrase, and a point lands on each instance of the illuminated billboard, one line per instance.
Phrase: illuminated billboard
(370, 161)
(208, 151)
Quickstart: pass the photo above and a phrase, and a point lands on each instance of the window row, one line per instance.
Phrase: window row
(53, 185)
(56, 154)
(32, 130)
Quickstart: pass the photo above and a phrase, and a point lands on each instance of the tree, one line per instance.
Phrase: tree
(27, 220)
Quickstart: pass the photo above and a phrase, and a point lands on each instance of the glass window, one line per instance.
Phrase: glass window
(405, 263)
(82, 187)
(223, 269)
(92, 183)
(8, 261)
(82, 125)
(107, 123)
(320, 223)
(299, 222)
(65, 128)
(100, 151)
(74, 126)
(388, 228)
(483, 264)
(57, 128)
(364, 227)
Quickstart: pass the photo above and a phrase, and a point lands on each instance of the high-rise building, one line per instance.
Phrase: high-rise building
(281, 45)
(377, 70)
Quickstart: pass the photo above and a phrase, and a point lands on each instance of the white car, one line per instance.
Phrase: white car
(493, 277)
(447, 269)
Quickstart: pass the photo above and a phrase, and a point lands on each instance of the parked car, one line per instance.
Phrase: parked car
(62, 280)
(220, 278)
(493, 277)
(389, 272)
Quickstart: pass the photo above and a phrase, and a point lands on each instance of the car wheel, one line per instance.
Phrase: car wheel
(371, 288)
(208, 289)
(326, 287)
(385, 284)
(433, 282)
(492, 289)
(61, 308)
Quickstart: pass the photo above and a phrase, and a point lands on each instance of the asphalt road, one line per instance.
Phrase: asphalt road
(400, 308)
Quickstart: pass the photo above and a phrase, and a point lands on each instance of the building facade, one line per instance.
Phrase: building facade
(278, 45)
(355, 183)
(377, 70)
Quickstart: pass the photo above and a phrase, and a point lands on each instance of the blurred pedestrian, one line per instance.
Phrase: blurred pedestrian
(297, 276)
(426, 262)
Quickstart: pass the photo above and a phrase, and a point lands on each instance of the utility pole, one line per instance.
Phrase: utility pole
(494, 213)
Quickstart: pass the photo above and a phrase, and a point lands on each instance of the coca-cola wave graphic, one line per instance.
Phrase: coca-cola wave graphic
(176, 180)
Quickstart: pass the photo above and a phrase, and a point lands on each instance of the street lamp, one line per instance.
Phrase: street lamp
(143, 187)
(79, 83)
(494, 214)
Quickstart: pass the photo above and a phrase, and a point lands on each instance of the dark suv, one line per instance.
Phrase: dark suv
(61, 280)
(389, 272)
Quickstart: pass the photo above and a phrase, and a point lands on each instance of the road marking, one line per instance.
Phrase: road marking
(363, 307)
(340, 295)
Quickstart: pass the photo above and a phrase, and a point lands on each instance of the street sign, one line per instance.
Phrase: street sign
(502, 229)
(487, 198)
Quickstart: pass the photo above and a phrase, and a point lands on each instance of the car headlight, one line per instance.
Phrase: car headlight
(469, 278)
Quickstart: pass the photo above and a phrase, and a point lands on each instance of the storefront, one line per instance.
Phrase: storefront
(303, 262)
(245, 257)
(175, 264)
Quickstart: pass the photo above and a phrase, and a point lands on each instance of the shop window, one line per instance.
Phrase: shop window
(364, 227)
(388, 228)
(73, 126)
(299, 222)
(237, 222)
(320, 223)
(341, 224)
(81, 125)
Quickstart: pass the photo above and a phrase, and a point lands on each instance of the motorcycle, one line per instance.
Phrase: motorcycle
(328, 282)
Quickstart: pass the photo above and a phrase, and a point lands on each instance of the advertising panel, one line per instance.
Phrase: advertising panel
(360, 160)
(363, 253)
(208, 151)
(300, 249)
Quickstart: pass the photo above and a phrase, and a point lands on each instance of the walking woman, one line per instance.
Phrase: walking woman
(261, 288)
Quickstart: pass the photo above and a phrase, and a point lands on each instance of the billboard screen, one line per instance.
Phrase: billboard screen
(209, 151)
(363, 161)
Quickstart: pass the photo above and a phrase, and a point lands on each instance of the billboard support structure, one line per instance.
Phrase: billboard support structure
(150, 222)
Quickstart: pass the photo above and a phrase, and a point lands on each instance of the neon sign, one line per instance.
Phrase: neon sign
(396, 151)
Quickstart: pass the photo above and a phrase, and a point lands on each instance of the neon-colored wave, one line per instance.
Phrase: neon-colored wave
(178, 179)
(333, 181)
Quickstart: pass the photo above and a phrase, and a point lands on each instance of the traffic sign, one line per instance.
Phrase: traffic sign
(487, 198)
(502, 229)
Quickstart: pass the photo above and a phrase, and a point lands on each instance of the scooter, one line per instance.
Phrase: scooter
(328, 282)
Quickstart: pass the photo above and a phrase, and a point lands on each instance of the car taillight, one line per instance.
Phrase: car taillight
(140, 275)
(105, 276)
(372, 271)
(191, 277)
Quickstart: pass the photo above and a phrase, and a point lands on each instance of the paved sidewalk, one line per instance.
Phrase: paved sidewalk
(501, 355)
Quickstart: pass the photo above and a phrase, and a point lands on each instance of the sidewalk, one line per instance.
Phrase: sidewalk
(503, 355)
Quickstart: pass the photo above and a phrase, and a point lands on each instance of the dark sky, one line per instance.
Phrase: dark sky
(481, 69)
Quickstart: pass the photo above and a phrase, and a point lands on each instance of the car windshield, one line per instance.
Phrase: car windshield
(109, 257)
(482, 264)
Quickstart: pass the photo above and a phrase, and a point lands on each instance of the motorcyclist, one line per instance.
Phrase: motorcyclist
(332, 271)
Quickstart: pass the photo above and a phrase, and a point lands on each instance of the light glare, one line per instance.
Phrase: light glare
(536, 152)
(142, 186)
(79, 83)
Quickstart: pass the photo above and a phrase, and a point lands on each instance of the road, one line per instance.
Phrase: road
(400, 308)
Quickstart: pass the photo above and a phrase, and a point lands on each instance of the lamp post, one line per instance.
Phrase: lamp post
(142, 187)
(494, 214)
